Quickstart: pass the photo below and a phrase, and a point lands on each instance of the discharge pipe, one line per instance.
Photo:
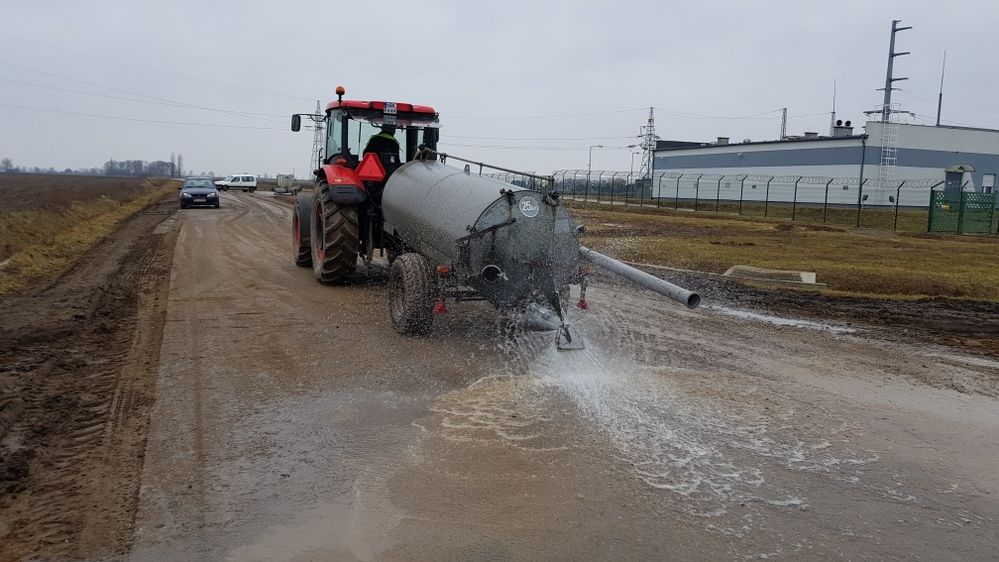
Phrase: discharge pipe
(651, 282)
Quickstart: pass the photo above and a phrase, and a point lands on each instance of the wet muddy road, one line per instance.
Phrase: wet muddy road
(292, 423)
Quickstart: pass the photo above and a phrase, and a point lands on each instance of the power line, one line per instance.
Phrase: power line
(980, 108)
(541, 139)
(764, 115)
(154, 71)
(164, 103)
(138, 119)
(499, 147)
(562, 116)
(96, 85)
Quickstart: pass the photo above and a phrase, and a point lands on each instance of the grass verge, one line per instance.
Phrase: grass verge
(851, 262)
(43, 243)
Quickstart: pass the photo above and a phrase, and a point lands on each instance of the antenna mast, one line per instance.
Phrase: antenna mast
(783, 123)
(832, 115)
(940, 96)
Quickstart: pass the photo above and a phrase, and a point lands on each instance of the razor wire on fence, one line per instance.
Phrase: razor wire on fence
(896, 204)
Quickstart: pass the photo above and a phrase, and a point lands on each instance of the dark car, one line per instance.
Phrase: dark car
(199, 192)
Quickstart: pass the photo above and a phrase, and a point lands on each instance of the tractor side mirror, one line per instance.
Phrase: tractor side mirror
(296, 123)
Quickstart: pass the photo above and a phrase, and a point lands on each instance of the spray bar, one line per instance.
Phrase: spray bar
(651, 282)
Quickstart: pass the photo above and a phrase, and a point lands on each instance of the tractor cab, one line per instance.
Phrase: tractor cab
(366, 141)
(351, 124)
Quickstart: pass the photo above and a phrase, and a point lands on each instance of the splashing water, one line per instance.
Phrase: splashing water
(705, 454)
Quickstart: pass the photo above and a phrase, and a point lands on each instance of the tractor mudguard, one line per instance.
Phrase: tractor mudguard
(347, 194)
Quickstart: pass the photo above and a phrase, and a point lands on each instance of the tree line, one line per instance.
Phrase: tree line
(159, 168)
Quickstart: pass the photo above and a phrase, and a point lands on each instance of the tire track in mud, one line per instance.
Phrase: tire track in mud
(86, 394)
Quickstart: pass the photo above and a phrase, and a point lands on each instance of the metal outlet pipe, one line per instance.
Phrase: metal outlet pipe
(651, 282)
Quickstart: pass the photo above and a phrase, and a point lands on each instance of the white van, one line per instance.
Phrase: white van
(246, 182)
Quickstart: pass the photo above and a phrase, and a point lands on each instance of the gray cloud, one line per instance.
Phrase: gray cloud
(470, 61)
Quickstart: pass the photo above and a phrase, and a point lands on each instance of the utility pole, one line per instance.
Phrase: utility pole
(318, 139)
(890, 79)
(783, 123)
(889, 123)
(940, 96)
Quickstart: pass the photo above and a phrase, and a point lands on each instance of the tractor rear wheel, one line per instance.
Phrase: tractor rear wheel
(411, 294)
(300, 221)
(335, 237)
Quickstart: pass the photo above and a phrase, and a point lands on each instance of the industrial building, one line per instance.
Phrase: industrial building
(884, 155)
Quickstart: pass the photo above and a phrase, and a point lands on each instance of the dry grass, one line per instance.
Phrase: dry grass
(48, 222)
(856, 262)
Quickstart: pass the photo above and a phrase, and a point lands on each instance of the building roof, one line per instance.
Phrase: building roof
(959, 128)
(671, 146)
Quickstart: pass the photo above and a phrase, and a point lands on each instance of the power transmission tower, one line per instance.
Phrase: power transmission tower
(888, 112)
(318, 139)
(649, 138)
(886, 108)
(783, 123)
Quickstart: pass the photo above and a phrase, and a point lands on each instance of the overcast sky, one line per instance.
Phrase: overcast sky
(485, 67)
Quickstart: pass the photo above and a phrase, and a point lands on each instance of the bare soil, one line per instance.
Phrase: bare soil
(58, 193)
(966, 325)
(77, 359)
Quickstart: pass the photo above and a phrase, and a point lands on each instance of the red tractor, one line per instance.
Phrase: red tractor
(449, 232)
(342, 219)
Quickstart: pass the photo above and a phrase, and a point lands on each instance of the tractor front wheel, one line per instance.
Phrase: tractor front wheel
(411, 294)
(335, 237)
(300, 221)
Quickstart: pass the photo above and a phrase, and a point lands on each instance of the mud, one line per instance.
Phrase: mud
(75, 389)
(971, 326)
(290, 422)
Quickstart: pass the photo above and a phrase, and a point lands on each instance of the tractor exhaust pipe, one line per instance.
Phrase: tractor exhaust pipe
(651, 282)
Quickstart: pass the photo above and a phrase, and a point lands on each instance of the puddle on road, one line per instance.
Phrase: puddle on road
(707, 457)
(781, 321)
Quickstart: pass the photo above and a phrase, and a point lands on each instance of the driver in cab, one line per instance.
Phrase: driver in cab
(384, 143)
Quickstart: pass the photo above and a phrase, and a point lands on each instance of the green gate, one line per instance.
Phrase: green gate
(961, 213)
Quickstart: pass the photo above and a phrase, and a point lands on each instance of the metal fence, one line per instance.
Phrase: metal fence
(962, 213)
(872, 203)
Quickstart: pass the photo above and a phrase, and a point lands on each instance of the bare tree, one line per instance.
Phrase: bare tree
(173, 165)
(180, 165)
(6, 164)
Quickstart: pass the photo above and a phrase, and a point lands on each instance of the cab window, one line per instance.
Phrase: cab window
(334, 131)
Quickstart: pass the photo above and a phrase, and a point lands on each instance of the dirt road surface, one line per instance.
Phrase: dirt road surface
(291, 422)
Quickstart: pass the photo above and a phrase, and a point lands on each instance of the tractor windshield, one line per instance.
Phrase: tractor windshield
(349, 133)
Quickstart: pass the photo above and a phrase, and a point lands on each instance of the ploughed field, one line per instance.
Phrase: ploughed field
(46, 221)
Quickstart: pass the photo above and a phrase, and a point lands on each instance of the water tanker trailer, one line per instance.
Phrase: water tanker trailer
(450, 233)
